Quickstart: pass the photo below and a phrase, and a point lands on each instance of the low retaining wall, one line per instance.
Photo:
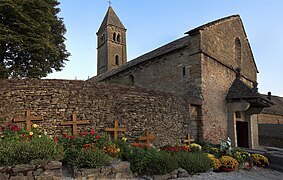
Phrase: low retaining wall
(115, 170)
(46, 170)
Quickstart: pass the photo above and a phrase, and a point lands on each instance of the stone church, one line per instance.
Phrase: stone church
(203, 84)
(212, 67)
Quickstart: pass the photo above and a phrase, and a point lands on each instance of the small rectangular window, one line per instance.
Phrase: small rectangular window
(184, 71)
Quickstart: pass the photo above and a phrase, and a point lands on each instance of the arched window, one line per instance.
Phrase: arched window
(131, 80)
(118, 38)
(117, 60)
(238, 52)
(114, 36)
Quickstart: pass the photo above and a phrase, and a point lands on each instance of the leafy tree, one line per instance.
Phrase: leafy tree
(31, 38)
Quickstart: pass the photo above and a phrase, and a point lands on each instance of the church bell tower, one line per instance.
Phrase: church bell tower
(111, 43)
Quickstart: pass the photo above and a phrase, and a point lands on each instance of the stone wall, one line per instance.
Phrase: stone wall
(218, 41)
(216, 81)
(173, 68)
(270, 130)
(271, 135)
(270, 119)
(44, 170)
(166, 115)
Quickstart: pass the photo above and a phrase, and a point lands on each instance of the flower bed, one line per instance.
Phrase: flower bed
(94, 154)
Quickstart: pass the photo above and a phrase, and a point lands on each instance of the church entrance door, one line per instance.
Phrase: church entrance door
(242, 134)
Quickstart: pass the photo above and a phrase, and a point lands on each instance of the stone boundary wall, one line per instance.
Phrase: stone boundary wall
(271, 135)
(166, 115)
(46, 170)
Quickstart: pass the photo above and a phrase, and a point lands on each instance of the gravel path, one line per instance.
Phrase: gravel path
(255, 174)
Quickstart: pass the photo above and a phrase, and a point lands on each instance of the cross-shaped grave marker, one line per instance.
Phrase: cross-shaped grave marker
(116, 129)
(147, 137)
(74, 123)
(28, 119)
(188, 140)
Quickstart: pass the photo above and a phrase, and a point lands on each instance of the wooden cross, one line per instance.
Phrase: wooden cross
(147, 137)
(116, 130)
(189, 140)
(28, 118)
(74, 123)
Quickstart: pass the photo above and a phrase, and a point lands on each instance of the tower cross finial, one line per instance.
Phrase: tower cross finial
(110, 3)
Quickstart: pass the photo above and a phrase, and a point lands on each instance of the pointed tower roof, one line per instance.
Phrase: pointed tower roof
(111, 18)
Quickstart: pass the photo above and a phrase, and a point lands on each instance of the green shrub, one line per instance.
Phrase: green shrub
(86, 158)
(161, 163)
(196, 162)
(149, 161)
(14, 152)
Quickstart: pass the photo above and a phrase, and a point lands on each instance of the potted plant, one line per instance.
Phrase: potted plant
(228, 163)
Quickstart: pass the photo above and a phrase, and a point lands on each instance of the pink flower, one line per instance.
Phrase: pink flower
(19, 129)
(92, 131)
(97, 136)
(55, 140)
(109, 138)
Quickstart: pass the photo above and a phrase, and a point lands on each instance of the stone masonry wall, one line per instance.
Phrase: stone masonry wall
(216, 81)
(43, 170)
(218, 41)
(270, 130)
(136, 109)
(176, 72)
(270, 119)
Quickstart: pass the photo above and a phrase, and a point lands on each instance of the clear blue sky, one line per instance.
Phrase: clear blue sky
(153, 23)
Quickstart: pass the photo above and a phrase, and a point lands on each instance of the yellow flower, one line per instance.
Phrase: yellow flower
(260, 160)
(124, 139)
(31, 133)
(118, 150)
(229, 162)
(34, 125)
(210, 155)
(216, 163)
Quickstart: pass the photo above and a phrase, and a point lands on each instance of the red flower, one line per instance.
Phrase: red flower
(250, 166)
(109, 138)
(83, 133)
(14, 128)
(10, 125)
(92, 131)
(55, 140)
(19, 129)
(70, 137)
(64, 135)
(2, 128)
(97, 136)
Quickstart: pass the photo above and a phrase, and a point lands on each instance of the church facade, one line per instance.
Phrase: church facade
(212, 67)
